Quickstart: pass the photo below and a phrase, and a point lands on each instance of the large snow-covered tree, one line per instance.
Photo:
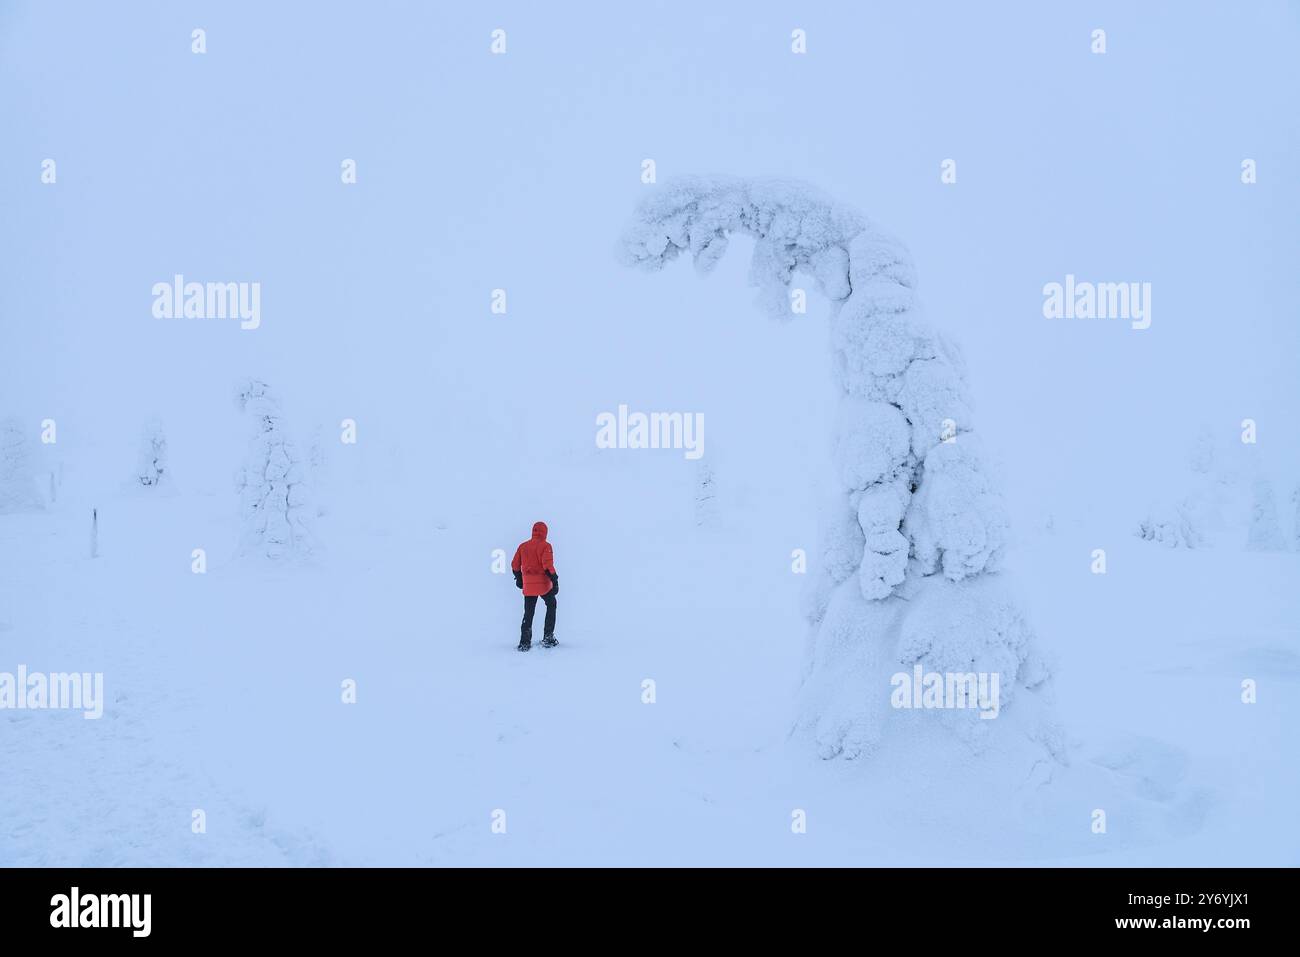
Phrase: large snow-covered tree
(274, 508)
(914, 534)
(18, 491)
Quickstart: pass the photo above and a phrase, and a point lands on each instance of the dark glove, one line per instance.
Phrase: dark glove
(555, 585)
(519, 580)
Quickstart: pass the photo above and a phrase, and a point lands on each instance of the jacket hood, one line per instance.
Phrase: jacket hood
(539, 530)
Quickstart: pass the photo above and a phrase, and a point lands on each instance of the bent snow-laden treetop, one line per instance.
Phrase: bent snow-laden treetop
(920, 493)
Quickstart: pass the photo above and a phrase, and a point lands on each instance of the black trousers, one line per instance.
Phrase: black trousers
(530, 606)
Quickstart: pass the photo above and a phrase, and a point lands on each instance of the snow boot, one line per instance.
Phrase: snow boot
(548, 641)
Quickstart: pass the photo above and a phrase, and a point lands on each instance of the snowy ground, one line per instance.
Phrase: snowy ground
(224, 694)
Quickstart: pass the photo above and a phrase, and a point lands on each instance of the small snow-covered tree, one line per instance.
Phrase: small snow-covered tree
(318, 467)
(706, 494)
(152, 464)
(916, 529)
(18, 489)
(1295, 525)
(1170, 527)
(274, 507)
(1265, 532)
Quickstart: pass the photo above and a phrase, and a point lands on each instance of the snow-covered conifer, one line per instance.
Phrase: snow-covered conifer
(273, 503)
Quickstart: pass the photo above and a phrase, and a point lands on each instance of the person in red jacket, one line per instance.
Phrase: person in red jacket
(534, 568)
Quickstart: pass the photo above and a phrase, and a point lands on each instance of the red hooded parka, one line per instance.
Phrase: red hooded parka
(537, 562)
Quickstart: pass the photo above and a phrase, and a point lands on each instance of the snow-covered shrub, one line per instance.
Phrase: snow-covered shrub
(274, 509)
(1172, 526)
(18, 490)
(152, 464)
(916, 520)
(1209, 512)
